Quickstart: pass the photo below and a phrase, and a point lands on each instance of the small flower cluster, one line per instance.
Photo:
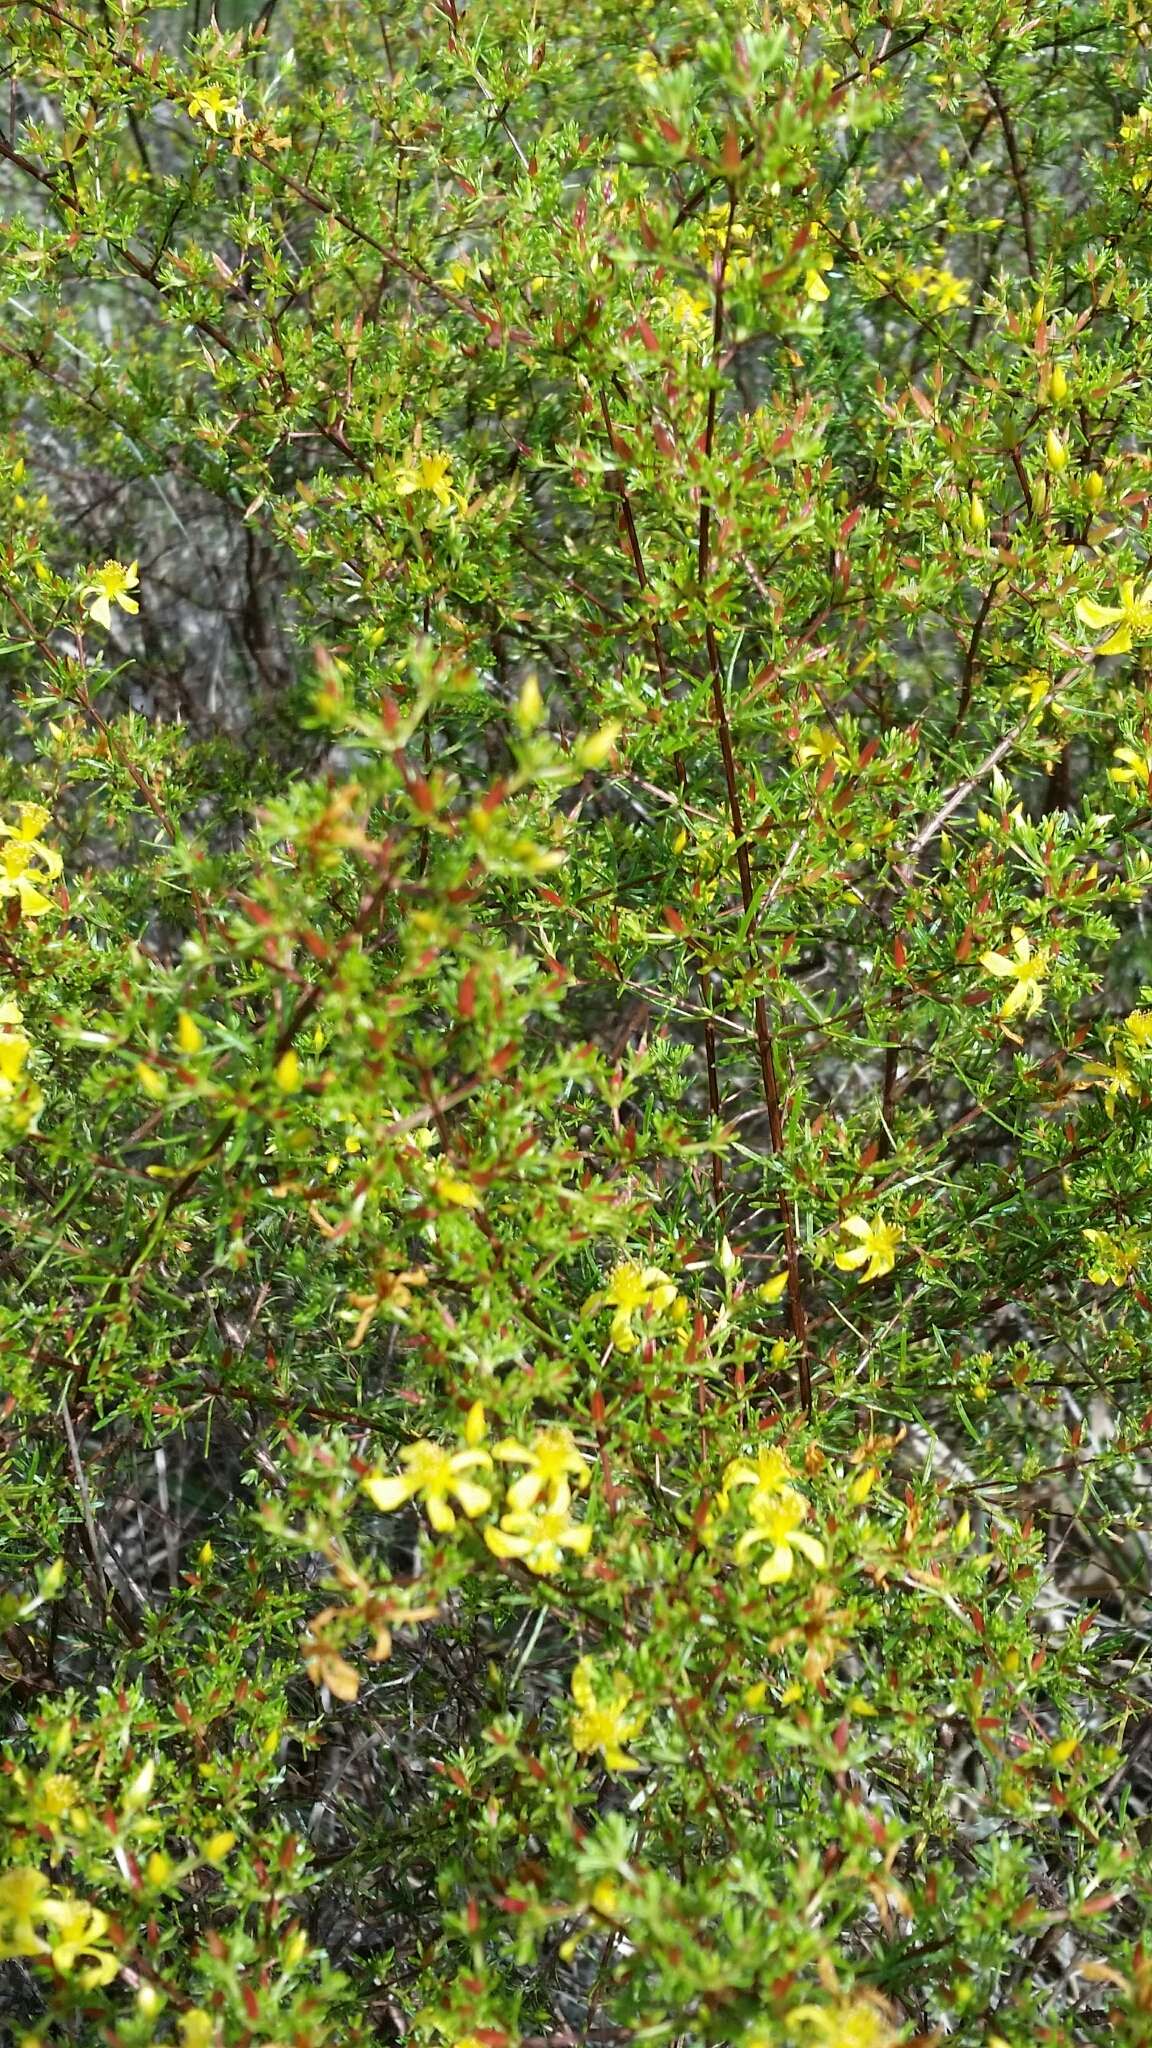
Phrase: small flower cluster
(27, 866)
(535, 1526)
(35, 1921)
(1117, 1076)
(776, 1513)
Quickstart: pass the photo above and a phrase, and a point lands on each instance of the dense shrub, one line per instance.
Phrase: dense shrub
(574, 1069)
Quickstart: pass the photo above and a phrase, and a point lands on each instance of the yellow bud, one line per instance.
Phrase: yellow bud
(476, 1425)
(1094, 485)
(595, 750)
(288, 1072)
(460, 1193)
(196, 2028)
(152, 1082)
(1061, 1751)
(189, 1036)
(530, 707)
(158, 1868)
(775, 1289)
(218, 1846)
(148, 2001)
(976, 513)
(862, 1485)
(205, 1556)
(1055, 451)
(1058, 384)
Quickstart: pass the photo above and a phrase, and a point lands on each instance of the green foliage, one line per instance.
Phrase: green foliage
(574, 1091)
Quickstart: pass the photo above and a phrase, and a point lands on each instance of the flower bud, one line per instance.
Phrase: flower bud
(1055, 451)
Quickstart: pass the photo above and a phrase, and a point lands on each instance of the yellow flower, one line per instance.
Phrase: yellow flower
(630, 1289)
(1027, 971)
(550, 1457)
(777, 1519)
(604, 1726)
(817, 258)
(850, 2023)
(1138, 1025)
(1115, 1080)
(15, 1046)
(1131, 618)
(27, 866)
(874, 1250)
(768, 1477)
(1133, 768)
(210, 105)
(435, 1476)
(111, 585)
(540, 1535)
(286, 1072)
(691, 315)
(79, 1930)
(821, 746)
(189, 1036)
(1113, 1258)
(23, 1893)
(460, 1194)
(425, 473)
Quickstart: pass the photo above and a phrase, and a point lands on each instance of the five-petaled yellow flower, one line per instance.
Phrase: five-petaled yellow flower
(777, 1519)
(113, 584)
(604, 1725)
(426, 473)
(538, 1536)
(77, 1932)
(27, 866)
(551, 1458)
(211, 106)
(1130, 620)
(436, 1476)
(1138, 1025)
(1026, 969)
(630, 1290)
(874, 1252)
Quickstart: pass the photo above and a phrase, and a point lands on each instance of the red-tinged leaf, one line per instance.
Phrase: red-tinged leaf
(1102, 1903)
(287, 1856)
(472, 1917)
(596, 1407)
(510, 1905)
(868, 753)
(251, 2002)
(826, 776)
(978, 1621)
(466, 997)
(458, 1779)
(673, 920)
(490, 2037)
(844, 798)
(851, 522)
(899, 951)
(869, 1155)
(551, 897)
(502, 1060)
(964, 943)
(668, 129)
(920, 402)
(421, 795)
(646, 333)
(841, 1736)
(663, 440)
(730, 156)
